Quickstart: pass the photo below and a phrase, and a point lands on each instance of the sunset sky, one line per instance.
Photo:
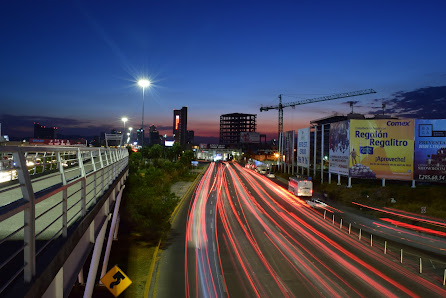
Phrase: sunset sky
(74, 64)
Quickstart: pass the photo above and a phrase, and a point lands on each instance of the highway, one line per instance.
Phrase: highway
(248, 237)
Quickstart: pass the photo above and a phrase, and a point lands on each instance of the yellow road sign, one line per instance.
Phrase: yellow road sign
(116, 281)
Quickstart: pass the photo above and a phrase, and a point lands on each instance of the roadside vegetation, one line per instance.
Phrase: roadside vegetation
(146, 207)
(396, 194)
(148, 202)
(370, 192)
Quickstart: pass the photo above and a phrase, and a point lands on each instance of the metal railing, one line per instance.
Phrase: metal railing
(44, 191)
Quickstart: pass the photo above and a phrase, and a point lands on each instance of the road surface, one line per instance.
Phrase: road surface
(245, 236)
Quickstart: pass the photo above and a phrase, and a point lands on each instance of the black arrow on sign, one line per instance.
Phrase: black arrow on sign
(118, 276)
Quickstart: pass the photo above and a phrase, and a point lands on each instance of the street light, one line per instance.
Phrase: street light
(129, 134)
(143, 83)
(124, 119)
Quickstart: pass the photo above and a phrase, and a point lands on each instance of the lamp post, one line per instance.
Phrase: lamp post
(124, 119)
(129, 133)
(143, 83)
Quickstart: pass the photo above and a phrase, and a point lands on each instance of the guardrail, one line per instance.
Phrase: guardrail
(43, 192)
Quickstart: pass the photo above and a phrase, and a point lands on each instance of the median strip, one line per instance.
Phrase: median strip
(171, 219)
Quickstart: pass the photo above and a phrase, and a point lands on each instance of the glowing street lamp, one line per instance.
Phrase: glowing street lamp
(143, 83)
(129, 134)
(124, 119)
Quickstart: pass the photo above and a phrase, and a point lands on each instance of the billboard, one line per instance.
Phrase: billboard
(303, 147)
(56, 142)
(249, 137)
(430, 150)
(382, 148)
(339, 148)
(288, 148)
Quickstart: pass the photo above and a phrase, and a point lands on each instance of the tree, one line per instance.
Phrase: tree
(145, 152)
(170, 154)
(156, 151)
(187, 157)
(177, 149)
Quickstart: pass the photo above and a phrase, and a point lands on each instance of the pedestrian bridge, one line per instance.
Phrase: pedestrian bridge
(55, 206)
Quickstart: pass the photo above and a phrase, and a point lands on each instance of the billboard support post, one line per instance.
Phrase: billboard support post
(339, 179)
(349, 182)
(413, 184)
(314, 148)
(292, 153)
(322, 154)
(282, 164)
(384, 182)
(329, 178)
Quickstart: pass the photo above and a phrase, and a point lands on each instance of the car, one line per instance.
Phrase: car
(270, 175)
(316, 203)
(263, 172)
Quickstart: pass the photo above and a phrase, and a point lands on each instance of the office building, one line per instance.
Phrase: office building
(140, 136)
(180, 126)
(231, 125)
(43, 132)
(190, 138)
(154, 136)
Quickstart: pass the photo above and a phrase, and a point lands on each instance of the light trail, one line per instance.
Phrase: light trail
(332, 254)
(197, 242)
(413, 227)
(271, 243)
(400, 214)
(421, 281)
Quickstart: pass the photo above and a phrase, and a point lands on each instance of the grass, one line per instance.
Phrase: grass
(371, 192)
(133, 253)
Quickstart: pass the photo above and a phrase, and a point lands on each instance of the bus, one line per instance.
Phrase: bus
(301, 187)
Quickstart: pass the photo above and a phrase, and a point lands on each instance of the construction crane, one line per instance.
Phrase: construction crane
(281, 106)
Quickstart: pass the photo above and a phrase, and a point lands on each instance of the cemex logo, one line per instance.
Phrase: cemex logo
(398, 123)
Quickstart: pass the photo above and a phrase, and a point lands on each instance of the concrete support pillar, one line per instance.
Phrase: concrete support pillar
(55, 289)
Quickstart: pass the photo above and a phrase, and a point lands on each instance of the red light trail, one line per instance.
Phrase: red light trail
(271, 243)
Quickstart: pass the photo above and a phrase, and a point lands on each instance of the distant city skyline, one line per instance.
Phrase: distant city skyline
(75, 64)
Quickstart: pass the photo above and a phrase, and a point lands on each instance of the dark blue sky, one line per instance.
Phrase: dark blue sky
(74, 64)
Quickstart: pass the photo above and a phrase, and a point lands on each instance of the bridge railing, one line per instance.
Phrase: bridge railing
(44, 191)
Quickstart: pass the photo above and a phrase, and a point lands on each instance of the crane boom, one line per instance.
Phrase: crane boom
(280, 106)
(311, 100)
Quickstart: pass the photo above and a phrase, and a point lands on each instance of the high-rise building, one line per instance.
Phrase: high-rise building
(140, 136)
(43, 132)
(154, 136)
(190, 138)
(180, 126)
(231, 125)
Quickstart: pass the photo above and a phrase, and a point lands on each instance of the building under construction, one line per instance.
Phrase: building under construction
(231, 125)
